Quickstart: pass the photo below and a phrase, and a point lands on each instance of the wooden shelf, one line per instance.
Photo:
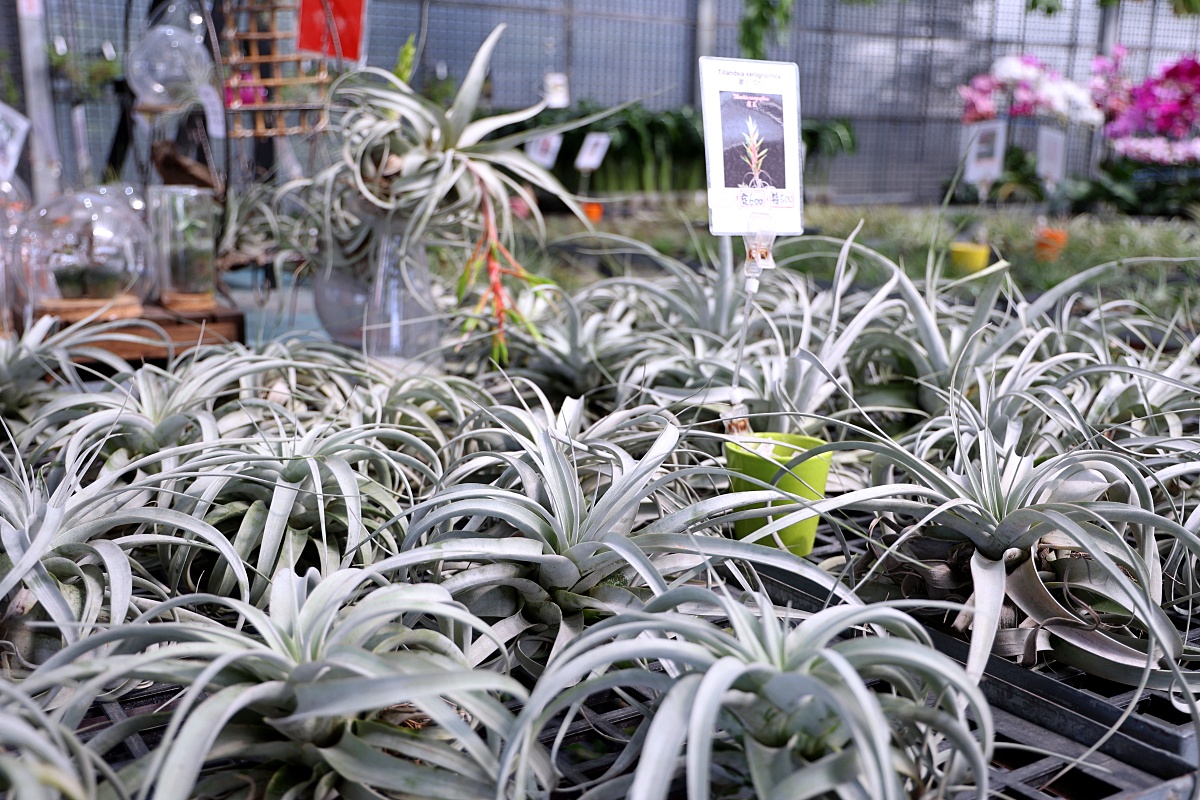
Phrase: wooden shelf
(185, 330)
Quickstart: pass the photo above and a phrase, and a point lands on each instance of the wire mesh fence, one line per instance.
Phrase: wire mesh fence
(890, 67)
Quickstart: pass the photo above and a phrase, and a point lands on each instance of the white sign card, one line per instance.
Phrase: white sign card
(1051, 155)
(543, 150)
(752, 146)
(558, 91)
(985, 143)
(14, 127)
(592, 151)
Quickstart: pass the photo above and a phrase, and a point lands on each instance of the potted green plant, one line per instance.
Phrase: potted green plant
(406, 173)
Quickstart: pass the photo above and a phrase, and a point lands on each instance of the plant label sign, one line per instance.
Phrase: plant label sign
(592, 151)
(984, 146)
(14, 127)
(1051, 155)
(557, 89)
(752, 146)
(543, 150)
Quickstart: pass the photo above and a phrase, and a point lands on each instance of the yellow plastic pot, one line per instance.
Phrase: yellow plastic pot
(806, 479)
(969, 257)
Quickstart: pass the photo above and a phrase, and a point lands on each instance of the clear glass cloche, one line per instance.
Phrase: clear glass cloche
(81, 255)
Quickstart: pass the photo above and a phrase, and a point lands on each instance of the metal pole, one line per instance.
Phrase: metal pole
(706, 41)
(1106, 42)
(39, 105)
(1110, 22)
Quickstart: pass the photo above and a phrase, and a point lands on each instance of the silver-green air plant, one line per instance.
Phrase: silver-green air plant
(345, 688)
(754, 154)
(788, 696)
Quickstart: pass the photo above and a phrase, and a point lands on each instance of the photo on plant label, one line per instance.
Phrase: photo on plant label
(986, 149)
(752, 140)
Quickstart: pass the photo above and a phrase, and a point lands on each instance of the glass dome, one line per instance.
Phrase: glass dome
(124, 192)
(167, 66)
(83, 254)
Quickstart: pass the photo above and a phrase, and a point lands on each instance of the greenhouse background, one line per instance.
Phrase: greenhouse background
(890, 67)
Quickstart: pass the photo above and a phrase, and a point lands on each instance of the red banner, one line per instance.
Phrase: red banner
(315, 34)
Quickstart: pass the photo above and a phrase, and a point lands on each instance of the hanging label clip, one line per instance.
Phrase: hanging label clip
(758, 251)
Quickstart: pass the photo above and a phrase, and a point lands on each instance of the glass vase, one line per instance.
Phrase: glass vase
(184, 222)
(387, 308)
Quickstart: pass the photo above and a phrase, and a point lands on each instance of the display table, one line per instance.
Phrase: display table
(184, 329)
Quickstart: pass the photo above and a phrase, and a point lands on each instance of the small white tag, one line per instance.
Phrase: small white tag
(752, 146)
(984, 145)
(1051, 155)
(558, 91)
(592, 151)
(543, 150)
(214, 111)
(14, 127)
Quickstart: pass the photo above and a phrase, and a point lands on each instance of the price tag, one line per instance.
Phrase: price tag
(214, 111)
(984, 145)
(752, 146)
(1051, 155)
(558, 91)
(14, 127)
(592, 151)
(543, 150)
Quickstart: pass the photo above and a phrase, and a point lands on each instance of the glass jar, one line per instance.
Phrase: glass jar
(184, 223)
(83, 255)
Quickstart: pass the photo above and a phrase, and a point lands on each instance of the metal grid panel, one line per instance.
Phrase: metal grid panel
(882, 18)
(813, 59)
(664, 10)
(635, 62)
(10, 43)
(891, 67)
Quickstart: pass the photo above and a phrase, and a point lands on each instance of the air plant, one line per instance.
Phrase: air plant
(36, 364)
(431, 175)
(770, 704)
(754, 155)
(344, 689)
(544, 528)
(42, 759)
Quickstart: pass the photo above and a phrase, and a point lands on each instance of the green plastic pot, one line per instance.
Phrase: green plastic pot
(806, 479)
